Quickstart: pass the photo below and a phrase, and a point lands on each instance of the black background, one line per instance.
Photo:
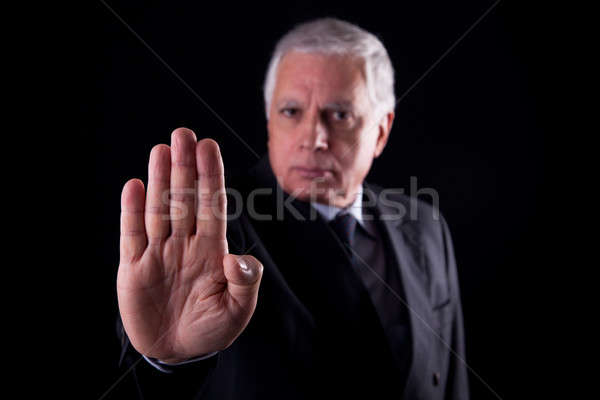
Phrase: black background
(473, 129)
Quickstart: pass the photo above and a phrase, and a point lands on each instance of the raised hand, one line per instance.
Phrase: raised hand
(180, 293)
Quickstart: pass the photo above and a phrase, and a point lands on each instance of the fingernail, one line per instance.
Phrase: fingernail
(243, 265)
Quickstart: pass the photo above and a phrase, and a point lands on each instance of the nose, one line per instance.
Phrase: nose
(314, 135)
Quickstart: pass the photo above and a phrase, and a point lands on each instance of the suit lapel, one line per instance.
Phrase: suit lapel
(410, 259)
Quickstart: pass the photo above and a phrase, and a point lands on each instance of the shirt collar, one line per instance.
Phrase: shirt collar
(329, 212)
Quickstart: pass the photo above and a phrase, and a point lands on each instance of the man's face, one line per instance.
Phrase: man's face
(322, 132)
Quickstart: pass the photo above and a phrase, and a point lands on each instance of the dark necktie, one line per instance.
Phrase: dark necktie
(344, 225)
(392, 313)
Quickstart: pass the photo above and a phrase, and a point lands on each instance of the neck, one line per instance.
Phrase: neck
(341, 200)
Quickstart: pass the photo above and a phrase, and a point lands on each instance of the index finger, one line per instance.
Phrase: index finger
(212, 200)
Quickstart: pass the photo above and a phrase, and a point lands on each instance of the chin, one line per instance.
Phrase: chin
(307, 190)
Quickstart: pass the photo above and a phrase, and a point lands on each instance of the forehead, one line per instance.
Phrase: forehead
(337, 77)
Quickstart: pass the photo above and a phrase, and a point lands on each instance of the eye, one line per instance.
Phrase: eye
(341, 115)
(289, 112)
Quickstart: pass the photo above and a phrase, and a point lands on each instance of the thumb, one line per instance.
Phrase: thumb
(243, 274)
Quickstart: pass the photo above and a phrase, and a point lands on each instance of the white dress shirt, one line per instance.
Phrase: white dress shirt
(329, 212)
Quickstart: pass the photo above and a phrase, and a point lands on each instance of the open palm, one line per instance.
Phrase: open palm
(180, 293)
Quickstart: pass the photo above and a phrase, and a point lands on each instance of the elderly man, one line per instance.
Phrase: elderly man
(358, 297)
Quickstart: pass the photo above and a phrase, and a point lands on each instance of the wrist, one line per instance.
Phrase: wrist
(180, 361)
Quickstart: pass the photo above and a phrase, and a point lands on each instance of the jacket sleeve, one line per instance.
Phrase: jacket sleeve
(140, 380)
(457, 386)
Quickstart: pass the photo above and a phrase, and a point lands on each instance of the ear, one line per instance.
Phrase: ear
(384, 128)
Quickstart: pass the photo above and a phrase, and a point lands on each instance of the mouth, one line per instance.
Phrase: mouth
(311, 173)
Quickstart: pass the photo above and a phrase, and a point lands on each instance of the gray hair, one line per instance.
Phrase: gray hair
(334, 36)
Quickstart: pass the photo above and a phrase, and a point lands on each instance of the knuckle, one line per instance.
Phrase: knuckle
(181, 196)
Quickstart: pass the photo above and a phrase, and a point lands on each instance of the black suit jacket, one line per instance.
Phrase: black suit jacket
(315, 331)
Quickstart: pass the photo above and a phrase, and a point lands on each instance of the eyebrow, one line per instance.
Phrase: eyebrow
(340, 105)
(288, 103)
(335, 105)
